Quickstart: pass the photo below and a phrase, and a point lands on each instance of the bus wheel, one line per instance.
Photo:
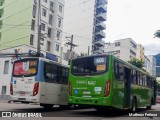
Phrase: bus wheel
(47, 106)
(150, 106)
(134, 105)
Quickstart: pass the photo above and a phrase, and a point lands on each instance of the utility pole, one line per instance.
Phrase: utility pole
(39, 29)
(71, 43)
(88, 50)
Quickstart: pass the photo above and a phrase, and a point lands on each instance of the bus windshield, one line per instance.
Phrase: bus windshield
(89, 65)
(26, 67)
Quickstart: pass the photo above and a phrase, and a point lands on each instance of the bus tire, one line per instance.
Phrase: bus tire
(150, 106)
(47, 106)
(134, 105)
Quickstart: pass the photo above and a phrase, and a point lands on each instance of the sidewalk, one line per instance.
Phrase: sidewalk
(3, 101)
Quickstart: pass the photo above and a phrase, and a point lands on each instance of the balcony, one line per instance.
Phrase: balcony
(101, 26)
(98, 51)
(102, 2)
(101, 9)
(101, 17)
(100, 34)
(99, 43)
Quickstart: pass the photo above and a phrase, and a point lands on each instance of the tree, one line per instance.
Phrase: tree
(157, 34)
(136, 62)
(82, 54)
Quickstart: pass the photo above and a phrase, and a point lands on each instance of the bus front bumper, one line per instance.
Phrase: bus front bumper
(89, 101)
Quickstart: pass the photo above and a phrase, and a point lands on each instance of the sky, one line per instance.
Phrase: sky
(136, 19)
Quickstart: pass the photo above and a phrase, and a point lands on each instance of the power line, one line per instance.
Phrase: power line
(71, 43)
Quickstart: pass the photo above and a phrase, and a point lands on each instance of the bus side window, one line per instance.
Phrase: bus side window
(121, 71)
(133, 78)
(138, 78)
(152, 83)
(65, 76)
(144, 80)
(59, 74)
(54, 74)
(116, 69)
(147, 81)
(48, 72)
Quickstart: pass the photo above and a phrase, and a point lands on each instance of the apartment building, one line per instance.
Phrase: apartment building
(152, 65)
(125, 49)
(20, 21)
(85, 20)
(140, 52)
(147, 64)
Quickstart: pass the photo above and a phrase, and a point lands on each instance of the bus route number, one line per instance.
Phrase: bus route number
(99, 60)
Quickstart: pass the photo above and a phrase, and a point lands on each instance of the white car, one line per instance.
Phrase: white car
(158, 97)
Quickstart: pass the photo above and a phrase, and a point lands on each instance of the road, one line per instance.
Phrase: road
(75, 114)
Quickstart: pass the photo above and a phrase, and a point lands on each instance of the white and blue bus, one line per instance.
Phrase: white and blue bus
(39, 80)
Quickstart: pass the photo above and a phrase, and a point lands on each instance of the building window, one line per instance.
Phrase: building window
(58, 35)
(43, 26)
(3, 90)
(57, 47)
(31, 39)
(45, 1)
(2, 2)
(117, 44)
(133, 53)
(1, 12)
(50, 19)
(60, 8)
(48, 46)
(42, 42)
(0, 36)
(59, 22)
(49, 32)
(34, 11)
(51, 6)
(44, 12)
(133, 45)
(33, 24)
(6, 67)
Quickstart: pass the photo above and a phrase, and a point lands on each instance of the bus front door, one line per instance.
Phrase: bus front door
(127, 87)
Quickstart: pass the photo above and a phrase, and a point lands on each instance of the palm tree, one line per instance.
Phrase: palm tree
(157, 34)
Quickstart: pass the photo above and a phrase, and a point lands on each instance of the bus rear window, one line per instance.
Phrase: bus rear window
(89, 65)
(27, 67)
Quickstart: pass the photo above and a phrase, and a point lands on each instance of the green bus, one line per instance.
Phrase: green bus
(105, 81)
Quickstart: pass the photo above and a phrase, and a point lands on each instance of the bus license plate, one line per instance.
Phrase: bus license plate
(22, 93)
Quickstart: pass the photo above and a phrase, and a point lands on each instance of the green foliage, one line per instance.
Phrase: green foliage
(82, 54)
(157, 34)
(136, 62)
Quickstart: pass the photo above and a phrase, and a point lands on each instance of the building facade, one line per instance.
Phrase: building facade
(125, 49)
(85, 21)
(20, 19)
(157, 57)
(140, 52)
(20, 22)
(152, 65)
(147, 64)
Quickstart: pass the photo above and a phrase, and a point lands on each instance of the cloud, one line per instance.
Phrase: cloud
(152, 49)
